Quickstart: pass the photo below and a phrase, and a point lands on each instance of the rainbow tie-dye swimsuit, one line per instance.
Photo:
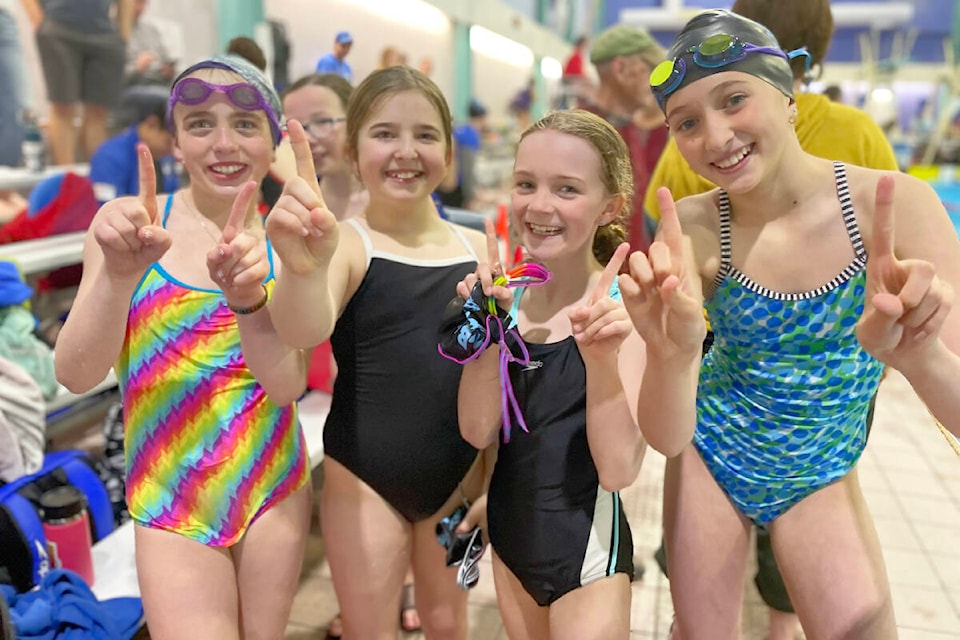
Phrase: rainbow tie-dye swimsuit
(206, 450)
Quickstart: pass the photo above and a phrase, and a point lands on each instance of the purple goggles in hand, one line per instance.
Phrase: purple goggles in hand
(193, 91)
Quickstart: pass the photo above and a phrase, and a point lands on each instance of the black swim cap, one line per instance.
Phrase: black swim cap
(772, 68)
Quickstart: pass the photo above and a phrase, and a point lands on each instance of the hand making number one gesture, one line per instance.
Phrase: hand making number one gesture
(602, 324)
(906, 303)
(128, 229)
(239, 263)
(662, 292)
(487, 272)
(301, 228)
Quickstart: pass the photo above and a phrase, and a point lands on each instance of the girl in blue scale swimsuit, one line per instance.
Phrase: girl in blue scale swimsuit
(562, 548)
(802, 275)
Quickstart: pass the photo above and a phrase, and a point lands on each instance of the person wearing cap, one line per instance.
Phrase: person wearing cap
(173, 296)
(804, 323)
(113, 167)
(825, 129)
(335, 62)
(624, 56)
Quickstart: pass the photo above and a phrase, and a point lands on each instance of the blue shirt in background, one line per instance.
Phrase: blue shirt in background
(331, 64)
(114, 168)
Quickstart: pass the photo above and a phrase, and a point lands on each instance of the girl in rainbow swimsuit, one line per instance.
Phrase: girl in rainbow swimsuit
(174, 293)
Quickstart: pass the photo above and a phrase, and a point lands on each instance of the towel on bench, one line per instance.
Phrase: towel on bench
(63, 607)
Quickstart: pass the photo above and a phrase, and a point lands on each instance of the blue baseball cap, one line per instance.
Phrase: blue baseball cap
(344, 37)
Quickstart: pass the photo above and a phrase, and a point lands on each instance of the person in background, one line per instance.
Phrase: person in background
(173, 295)
(391, 56)
(149, 61)
(467, 139)
(83, 53)
(13, 88)
(426, 66)
(834, 93)
(624, 57)
(336, 61)
(113, 167)
(248, 48)
(825, 129)
(575, 81)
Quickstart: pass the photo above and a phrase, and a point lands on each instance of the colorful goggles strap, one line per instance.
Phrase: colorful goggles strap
(529, 274)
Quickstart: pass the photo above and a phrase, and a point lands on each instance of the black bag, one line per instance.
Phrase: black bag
(23, 546)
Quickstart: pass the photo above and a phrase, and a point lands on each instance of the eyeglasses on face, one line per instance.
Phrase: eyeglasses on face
(322, 127)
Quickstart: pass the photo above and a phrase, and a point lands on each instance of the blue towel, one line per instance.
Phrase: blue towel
(63, 607)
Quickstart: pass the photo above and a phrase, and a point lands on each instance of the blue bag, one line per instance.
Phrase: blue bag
(23, 546)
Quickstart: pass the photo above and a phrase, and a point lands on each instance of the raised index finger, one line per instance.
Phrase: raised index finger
(304, 157)
(882, 244)
(238, 213)
(148, 181)
(610, 271)
(670, 229)
(493, 244)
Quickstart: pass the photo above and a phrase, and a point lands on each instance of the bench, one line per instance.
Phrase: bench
(114, 564)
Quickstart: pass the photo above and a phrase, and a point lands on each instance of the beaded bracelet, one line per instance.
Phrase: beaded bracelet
(243, 311)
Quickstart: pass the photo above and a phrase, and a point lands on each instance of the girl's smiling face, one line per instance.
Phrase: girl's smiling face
(558, 197)
(221, 145)
(730, 127)
(323, 116)
(401, 151)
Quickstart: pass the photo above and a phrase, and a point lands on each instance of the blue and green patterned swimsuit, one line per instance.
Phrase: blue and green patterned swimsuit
(784, 392)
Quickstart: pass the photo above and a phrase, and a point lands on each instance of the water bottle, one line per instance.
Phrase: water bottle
(34, 150)
(66, 526)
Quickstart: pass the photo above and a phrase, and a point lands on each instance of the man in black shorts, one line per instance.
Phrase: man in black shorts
(83, 52)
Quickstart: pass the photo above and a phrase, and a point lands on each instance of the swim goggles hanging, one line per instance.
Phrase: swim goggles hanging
(469, 326)
(714, 52)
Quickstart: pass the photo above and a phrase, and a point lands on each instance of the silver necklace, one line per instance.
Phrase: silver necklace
(201, 219)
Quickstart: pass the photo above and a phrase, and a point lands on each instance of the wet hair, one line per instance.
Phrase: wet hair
(795, 23)
(333, 81)
(249, 49)
(385, 83)
(616, 171)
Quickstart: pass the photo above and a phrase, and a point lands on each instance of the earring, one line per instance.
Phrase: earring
(793, 118)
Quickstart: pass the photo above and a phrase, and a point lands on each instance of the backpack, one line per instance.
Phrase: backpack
(23, 546)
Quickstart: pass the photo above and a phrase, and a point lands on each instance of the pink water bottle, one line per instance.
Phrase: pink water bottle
(66, 526)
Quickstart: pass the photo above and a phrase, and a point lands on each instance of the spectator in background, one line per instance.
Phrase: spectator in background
(834, 93)
(624, 57)
(83, 53)
(248, 48)
(467, 138)
(574, 80)
(113, 167)
(149, 61)
(391, 56)
(335, 62)
(426, 66)
(520, 106)
(12, 87)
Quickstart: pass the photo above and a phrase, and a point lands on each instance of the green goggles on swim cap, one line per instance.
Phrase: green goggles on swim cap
(713, 52)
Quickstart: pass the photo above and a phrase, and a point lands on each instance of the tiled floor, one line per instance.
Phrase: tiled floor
(911, 478)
